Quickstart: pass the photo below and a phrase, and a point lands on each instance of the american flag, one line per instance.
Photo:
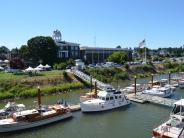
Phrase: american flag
(142, 43)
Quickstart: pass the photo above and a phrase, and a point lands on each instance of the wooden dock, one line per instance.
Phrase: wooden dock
(143, 98)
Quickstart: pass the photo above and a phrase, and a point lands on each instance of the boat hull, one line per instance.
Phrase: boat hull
(103, 107)
(27, 125)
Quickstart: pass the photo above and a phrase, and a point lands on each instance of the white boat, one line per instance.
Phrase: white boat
(10, 108)
(160, 91)
(131, 89)
(104, 100)
(33, 118)
(174, 127)
(181, 83)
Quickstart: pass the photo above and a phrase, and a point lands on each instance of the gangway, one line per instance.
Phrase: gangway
(88, 78)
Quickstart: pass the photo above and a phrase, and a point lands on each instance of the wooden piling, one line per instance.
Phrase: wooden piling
(169, 77)
(135, 84)
(39, 98)
(91, 83)
(152, 80)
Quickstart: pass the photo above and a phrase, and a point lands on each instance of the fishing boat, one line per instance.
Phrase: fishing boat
(174, 127)
(40, 116)
(103, 100)
(10, 108)
(160, 91)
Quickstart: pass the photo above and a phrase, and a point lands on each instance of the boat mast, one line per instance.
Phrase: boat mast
(39, 98)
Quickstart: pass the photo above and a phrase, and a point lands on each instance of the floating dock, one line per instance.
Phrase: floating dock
(144, 98)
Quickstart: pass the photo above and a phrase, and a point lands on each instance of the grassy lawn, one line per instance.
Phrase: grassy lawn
(22, 85)
(10, 76)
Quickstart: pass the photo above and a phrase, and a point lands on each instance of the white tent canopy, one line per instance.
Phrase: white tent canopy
(47, 66)
(6, 61)
(38, 69)
(1, 68)
(29, 69)
(40, 66)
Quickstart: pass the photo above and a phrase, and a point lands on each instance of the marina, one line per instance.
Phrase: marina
(152, 114)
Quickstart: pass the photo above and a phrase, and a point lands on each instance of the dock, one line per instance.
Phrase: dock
(144, 98)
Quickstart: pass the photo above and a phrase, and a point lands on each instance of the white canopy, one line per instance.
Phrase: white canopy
(1, 68)
(6, 61)
(38, 69)
(40, 66)
(29, 69)
(47, 66)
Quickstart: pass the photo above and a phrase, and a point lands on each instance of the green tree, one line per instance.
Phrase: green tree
(118, 57)
(24, 52)
(43, 49)
(4, 50)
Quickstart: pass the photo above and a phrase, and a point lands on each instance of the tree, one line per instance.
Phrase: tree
(118, 46)
(24, 52)
(4, 50)
(43, 49)
(118, 57)
(16, 63)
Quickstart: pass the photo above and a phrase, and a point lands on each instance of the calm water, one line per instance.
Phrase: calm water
(134, 121)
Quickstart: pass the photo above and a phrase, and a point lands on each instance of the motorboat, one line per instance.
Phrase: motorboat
(174, 127)
(10, 108)
(131, 89)
(160, 91)
(104, 100)
(181, 83)
(40, 116)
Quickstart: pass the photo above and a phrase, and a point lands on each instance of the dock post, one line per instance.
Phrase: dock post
(39, 98)
(152, 80)
(169, 77)
(95, 89)
(135, 84)
(91, 82)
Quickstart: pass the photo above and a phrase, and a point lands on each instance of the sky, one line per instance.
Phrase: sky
(100, 23)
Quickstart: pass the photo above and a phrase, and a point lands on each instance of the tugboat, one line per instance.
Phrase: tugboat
(35, 117)
(106, 99)
(174, 127)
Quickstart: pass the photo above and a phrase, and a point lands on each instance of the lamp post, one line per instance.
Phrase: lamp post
(169, 77)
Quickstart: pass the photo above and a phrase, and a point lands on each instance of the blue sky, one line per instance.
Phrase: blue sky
(113, 22)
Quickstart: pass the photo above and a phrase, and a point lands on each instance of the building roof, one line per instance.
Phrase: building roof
(66, 43)
(101, 48)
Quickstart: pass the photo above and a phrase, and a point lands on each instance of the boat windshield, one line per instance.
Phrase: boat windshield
(177, 109)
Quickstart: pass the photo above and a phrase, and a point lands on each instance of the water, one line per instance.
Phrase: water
(134, 121)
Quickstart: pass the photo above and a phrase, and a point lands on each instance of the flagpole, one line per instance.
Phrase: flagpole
(145, 54)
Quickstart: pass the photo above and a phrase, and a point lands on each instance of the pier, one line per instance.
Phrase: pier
(144, 98)
(90, 79)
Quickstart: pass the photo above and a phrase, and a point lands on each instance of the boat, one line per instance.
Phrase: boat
(102, 100)
(40, 116)
(174, 127)
(131, 89)
(181, 83)
(10, 108)
(159, 91)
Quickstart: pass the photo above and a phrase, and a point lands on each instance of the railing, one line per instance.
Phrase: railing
(87, 78)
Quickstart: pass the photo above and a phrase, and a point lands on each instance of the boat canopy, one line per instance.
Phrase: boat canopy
(180, 102)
